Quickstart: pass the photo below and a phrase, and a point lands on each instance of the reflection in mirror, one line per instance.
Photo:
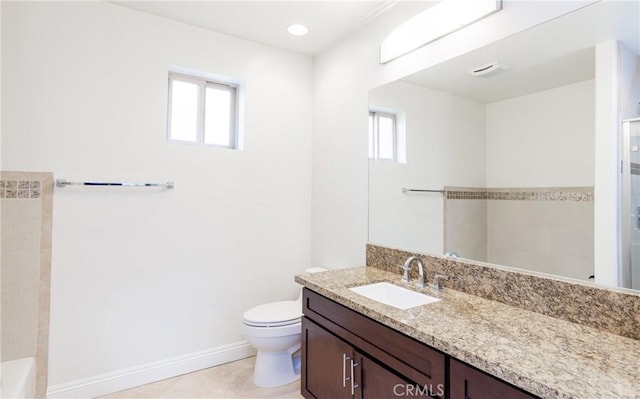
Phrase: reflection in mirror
(630, 270)
(513, 149)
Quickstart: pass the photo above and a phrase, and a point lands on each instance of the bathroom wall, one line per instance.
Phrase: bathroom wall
(25, 214)
(545, 141)
(150, 283)
(343, 76)
(442, 148)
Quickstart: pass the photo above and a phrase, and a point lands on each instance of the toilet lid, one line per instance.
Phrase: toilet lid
(274, 313)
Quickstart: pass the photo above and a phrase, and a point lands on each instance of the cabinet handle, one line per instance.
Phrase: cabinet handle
(344, 370)
(353, 384)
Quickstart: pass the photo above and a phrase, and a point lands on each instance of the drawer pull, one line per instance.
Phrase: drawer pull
(344, 370)
(353, 384)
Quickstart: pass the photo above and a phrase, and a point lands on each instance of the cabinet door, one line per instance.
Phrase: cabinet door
(374, 381)
(469, 383)
(326, 364)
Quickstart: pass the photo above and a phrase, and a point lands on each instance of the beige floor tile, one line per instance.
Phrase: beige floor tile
(228, 381)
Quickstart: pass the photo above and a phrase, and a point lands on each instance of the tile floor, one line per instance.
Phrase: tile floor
(228, 381)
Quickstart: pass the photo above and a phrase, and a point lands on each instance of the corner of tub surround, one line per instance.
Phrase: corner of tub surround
(612, 310)
(37, 187)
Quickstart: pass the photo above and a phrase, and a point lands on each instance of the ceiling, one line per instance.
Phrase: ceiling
(266, 22)
(557, 53)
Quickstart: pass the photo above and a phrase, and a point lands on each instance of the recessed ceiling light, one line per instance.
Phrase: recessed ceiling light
(297, 30)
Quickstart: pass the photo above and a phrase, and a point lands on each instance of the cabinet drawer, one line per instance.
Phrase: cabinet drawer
(469, 383)
(413, 359)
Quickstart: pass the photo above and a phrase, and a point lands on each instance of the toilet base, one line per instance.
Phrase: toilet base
(274, 369)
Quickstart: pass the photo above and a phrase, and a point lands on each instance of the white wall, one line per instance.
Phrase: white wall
(343, 76)
(445, 147)
(545, 139)
(144, 275)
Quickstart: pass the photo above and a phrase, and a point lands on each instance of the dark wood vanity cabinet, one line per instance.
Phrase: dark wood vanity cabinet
(325, 363)
(468, 383)
(335, 369)
(337, 342)
(347, 355)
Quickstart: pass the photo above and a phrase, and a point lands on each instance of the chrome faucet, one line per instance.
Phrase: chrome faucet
(407, 268)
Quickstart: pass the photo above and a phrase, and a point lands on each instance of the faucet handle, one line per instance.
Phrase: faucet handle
(405, 275)
(437, 282)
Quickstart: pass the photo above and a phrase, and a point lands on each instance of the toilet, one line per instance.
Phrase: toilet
(274, 329)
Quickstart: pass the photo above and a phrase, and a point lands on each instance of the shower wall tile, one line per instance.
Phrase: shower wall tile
(27, 210)
(44, 187)
(20, 252)
(537, 229)
(465, 228)
(553, 237)
(21, 189)
(521, 194)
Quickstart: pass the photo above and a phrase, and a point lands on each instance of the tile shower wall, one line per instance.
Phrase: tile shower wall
(547, 230)
(21, 220)
(551, 233)
(26, 212)
(465, 226)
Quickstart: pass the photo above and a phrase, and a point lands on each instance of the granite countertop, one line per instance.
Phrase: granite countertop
(545, 356)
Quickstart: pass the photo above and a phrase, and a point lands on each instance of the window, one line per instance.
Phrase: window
(387, 134)
(383, 138)
(203, 111)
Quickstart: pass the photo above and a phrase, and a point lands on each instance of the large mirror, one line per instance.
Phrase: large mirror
(491, 155)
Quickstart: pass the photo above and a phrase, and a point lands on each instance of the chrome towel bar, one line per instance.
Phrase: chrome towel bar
(65, 183)
(415, 190)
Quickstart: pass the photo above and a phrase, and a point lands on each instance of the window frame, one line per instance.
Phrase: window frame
(203, 83)
(374, 135)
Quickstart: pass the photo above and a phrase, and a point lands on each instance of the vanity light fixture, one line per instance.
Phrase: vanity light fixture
(297, 30)
(433, 23)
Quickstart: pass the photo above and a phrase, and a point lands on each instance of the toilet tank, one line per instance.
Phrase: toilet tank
(310, 270)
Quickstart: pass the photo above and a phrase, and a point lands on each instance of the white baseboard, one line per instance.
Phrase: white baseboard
(115, 381)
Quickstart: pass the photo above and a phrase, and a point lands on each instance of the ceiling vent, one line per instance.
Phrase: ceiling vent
(489, 70)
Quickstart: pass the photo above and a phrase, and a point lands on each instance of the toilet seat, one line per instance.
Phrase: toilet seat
(274, 314)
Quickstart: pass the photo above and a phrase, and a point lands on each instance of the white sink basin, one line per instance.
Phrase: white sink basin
(393, 295)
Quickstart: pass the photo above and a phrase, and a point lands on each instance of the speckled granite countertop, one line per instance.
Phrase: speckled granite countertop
(547, 357)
